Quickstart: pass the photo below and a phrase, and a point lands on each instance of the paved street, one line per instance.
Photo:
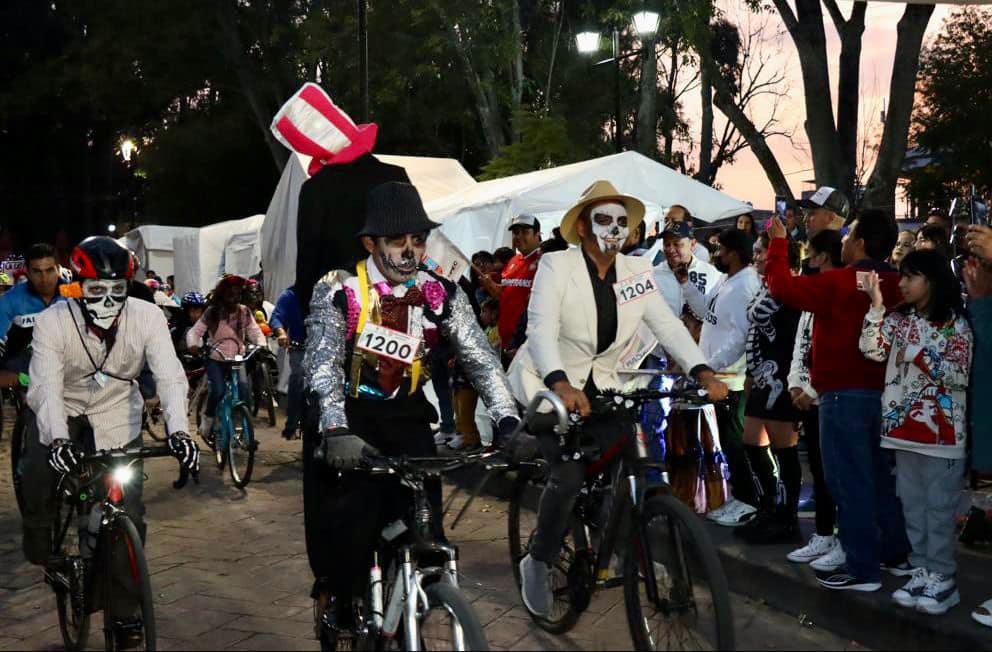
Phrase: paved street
(230, 572)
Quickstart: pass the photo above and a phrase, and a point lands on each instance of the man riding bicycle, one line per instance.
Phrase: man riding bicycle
(19, 308)
(228, 325)
(576, 352)
(84, 397)
(370, 335)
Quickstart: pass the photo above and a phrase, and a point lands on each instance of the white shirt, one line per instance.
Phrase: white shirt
(701, 274)
(63, 384)
(724, 335)
(657, 256)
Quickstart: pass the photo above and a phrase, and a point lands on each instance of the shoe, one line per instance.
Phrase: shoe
(910, 594)
(842, 580)
(457, 442)
(939, 595)
(535, 586)
(983, 615)
(832, 561)
(818, 546)
(441, 437)
(777, 526)
(736, 514)
(898, 569)
(128, 634)
(715, 514)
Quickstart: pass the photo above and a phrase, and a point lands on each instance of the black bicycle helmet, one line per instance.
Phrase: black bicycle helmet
(100, 257)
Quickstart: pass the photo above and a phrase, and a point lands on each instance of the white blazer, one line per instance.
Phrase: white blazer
(562, 322)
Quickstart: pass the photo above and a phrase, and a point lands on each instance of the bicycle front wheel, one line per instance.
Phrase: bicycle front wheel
(18, 449)
(241, 447)
(124, 540)
(675, 590)
(449, 623)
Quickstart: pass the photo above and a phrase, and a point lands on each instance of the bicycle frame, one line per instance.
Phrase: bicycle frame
(230, 400)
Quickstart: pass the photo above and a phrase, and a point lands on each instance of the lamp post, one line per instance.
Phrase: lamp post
(645, 24)
(363, 56)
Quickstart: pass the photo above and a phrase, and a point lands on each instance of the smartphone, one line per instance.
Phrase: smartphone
(862, 279)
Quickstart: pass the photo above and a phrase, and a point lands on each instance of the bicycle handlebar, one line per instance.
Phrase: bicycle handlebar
(375, 464)
(106, 457)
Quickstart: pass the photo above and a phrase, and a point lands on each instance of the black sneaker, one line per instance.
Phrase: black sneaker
(770, 527)
(900, 568)
(129, 634)
(842, 580)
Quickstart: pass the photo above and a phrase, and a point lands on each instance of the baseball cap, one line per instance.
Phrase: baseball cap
(678, 229)
(829, 198)
(525, 219)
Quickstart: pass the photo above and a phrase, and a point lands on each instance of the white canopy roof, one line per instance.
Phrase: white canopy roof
(152, 244)
(477, 217)
(200, 255)
(433, 177)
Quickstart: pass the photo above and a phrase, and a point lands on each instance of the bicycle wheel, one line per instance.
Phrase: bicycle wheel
(241, 447)
(521, 524)
(449, 623)
(70, 597)
(18, 448)
(124, 537)
(153, 422)
(692, 608)
(268, 393)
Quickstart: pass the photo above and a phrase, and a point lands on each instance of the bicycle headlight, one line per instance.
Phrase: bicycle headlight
(123, 475)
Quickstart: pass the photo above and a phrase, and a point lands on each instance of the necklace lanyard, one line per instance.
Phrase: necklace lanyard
(97, 369)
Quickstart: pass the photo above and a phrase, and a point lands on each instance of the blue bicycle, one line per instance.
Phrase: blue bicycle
(233, 436)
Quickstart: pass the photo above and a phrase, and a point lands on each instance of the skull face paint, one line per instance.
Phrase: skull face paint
(397, 257)
(103, 300)
(609, 225)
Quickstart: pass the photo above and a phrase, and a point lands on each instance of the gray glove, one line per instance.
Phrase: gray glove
(342, 450)
(522, 448)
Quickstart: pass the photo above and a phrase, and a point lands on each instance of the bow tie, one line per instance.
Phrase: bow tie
(413, 297)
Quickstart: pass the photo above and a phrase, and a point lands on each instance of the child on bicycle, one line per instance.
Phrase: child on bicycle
(228, 325)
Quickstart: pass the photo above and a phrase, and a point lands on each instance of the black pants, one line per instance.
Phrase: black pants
(345, 513)
(730, 421)
(39, 480)
(826, 510)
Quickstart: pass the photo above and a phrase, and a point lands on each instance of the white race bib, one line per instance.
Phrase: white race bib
(635, 287)
(389, 343)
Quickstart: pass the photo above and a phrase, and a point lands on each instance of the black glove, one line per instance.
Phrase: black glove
(342, 450)
(522, 448)
(64, 457)
(186, 451)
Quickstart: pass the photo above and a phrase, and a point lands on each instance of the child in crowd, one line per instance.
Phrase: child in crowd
(489, 319)
(928, 344)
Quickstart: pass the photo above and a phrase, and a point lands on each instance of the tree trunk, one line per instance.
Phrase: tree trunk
(881, 189)
(705, 173)
(669, 116)
(517, 85)
(849, 94)
(647, 111)
(554, 53)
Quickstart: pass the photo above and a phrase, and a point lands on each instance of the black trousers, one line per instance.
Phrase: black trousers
(344, 513)
(826, 510)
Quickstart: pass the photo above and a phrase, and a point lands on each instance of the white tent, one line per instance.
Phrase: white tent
(241, 254)
(477, 217)
(199, 255)
(152, 244)
(433, 177)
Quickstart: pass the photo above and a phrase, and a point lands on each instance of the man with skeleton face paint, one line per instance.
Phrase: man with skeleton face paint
(370, 333)
(587, 306)
(83, 395)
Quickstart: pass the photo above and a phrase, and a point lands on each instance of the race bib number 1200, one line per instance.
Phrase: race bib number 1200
(634, 288)
(389, 343)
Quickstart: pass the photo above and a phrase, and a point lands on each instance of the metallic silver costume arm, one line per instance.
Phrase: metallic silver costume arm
(324, 359)
(477, 358)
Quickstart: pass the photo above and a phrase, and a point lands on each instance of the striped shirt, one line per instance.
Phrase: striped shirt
(63, 383)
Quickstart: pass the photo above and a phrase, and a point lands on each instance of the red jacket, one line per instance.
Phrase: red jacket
(839, 308)
(518, 276)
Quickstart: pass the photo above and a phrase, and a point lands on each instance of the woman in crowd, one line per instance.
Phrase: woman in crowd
(934, 237)
(927, 342)
(905, 243)
(746, 224)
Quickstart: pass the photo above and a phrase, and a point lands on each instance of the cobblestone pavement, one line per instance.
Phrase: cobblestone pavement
(229, 571)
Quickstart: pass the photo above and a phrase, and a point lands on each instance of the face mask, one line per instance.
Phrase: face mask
(398, 260)
(103, 300)
(609, 225)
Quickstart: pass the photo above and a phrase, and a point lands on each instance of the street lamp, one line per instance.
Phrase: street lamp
(127, 149)
(111, 228)
(645, 24)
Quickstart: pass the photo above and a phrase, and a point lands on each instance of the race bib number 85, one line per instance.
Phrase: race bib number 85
(389, 343)
(634, 288)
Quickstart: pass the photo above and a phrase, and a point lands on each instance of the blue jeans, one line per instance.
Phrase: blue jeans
(217, 381)
(294, 396)
(860, 477)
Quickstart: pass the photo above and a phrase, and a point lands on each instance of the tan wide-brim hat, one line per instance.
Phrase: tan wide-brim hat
(598, 192)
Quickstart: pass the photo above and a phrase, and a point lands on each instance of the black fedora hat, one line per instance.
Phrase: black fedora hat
(395, 208)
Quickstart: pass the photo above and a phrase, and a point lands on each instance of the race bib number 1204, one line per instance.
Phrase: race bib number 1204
(389, 343)
(634, 288)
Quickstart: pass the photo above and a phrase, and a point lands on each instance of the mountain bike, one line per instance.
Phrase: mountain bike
(233, 435)
(18, 442)
(675, 592)
(412, 602)
(91, 526)
(263, 374)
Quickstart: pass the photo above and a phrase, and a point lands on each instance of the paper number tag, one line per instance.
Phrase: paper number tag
(389, 343)
(635, 287)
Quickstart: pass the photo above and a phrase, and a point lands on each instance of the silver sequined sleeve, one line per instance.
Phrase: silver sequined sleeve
(324, 359)
(477, 358)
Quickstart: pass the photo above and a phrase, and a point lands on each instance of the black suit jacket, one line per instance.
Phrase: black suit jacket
(332, 211)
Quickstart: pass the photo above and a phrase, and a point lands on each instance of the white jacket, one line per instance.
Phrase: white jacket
(701, 274)
(561, 327)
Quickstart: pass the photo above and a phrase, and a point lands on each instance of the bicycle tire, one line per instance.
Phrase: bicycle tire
(457, 605)
(680, 522)
(74, 618)
(154, 427)
(241, 447)
(124, 526)
(18, 448)
(561, 622)
(268, 394)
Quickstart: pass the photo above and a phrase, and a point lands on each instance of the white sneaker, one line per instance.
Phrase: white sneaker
(910, 594)
(817, 547)
(441, 437)
(715, 514)
(736, 514)
(939, 595)
(983, 614)
(831, 561)
(456, 442)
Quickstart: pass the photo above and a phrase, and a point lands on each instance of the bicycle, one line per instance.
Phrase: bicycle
(80, 573)
(675, 592)
(264, 373)
(232, 437)
(18, 443)
(421, 607)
